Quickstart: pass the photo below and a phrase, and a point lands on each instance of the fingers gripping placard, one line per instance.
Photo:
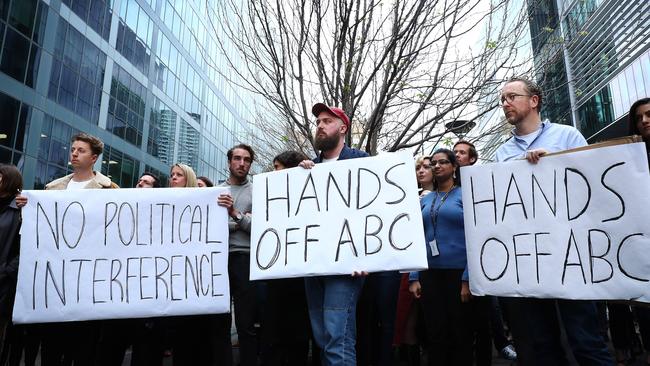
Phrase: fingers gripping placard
(572, 226)
(122, 253)
(351, 215)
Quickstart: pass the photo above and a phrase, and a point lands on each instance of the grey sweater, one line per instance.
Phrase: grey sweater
(240, 233)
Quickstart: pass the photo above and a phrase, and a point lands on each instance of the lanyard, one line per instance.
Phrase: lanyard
(434, 213)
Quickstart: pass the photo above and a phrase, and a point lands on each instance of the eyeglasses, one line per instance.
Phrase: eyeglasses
(440, 162)
(511, 97)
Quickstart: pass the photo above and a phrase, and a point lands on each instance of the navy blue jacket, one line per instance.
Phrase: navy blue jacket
(346, 153)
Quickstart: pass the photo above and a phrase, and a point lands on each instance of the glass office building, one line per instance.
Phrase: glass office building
(593, 61)
(148, 77)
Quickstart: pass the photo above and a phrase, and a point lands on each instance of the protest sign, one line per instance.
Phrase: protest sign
(339, 217)
(122, 253)
(573, 226)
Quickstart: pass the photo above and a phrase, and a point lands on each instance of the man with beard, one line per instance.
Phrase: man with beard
(332, 300)
(239, 204)
(535, 323)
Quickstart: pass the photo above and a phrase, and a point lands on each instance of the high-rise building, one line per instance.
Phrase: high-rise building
(148, 77)
(593, 61)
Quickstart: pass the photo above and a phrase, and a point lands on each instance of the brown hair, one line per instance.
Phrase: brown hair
(531, 87)
(243, 147)
(472, 149)
(96, 145)
(12, 180)
(206, 180)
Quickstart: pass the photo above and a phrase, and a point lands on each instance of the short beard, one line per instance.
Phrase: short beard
(326, 143)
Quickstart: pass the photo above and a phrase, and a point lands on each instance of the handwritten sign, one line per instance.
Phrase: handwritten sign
(351, 215)
(122, 253)
(573, 226)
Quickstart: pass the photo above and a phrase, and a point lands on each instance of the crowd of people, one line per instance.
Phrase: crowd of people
(383, 318)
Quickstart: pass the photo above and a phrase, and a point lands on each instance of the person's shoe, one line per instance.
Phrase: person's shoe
(508, 352)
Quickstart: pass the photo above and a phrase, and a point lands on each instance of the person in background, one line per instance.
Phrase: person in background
(424, 175)
(11, 337)
(639, 120)
(145, 336)
(204, 182)
(621, 316)
(486, 308)
(239, 203)
(444, 287)
(285, 329)
(191, 336)
(148, 180)
(408, 307)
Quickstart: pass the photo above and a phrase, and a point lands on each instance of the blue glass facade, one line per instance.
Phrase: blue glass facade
(604, 46)
(140, 74)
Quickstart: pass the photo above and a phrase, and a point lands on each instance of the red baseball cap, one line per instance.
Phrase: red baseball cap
(318, 108)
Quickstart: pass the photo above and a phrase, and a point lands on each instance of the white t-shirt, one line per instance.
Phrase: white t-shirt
(329, 160)
(530, 137)
(77, 185)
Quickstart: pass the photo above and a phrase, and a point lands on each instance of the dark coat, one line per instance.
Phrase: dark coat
(346, 153)
(10, 221)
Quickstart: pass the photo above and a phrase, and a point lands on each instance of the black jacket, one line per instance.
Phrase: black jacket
(10, 221)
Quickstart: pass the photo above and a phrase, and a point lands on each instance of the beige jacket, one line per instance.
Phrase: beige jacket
(100, 181)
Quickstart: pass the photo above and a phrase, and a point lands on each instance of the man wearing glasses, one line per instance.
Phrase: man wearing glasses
(535, 323)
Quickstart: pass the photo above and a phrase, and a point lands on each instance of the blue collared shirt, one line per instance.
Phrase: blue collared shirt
(552, 136)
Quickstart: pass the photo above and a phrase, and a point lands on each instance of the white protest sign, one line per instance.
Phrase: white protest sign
(573, 226)
(122, 253)
(339, 217)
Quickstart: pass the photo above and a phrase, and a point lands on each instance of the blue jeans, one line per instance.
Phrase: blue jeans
(332, 303)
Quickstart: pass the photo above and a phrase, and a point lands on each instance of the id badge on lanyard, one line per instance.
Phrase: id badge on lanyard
(433, 244)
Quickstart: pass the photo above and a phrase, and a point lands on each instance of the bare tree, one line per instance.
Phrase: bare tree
(401, 69)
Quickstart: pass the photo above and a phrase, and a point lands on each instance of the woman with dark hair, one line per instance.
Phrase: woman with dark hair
(288, 159)
(639, 120)
(408, 310)
(204, 182)
(444, 287)
(11, 182)
(621, 316)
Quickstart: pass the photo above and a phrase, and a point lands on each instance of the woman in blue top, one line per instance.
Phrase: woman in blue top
(443, 288)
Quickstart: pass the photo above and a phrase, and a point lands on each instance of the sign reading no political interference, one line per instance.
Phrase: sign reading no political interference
(339, 217)
(573, 226)
(122, 253)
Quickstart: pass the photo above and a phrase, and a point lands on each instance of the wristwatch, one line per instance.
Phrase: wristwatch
(238, 217)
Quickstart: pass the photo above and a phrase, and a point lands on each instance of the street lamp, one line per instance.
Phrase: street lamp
(460, 127)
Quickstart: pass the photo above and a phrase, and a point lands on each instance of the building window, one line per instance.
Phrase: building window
(126, 107)
(77, 73)
(96, 13)
(188, 145)
(134, 35)
(162, 128)
(20, 50)
(120, 167)
(15, 117)
(596, 113)
(53, 151)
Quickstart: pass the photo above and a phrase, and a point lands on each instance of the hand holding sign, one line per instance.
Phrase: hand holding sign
(103, 254)
(337, 218)
(572, 226)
